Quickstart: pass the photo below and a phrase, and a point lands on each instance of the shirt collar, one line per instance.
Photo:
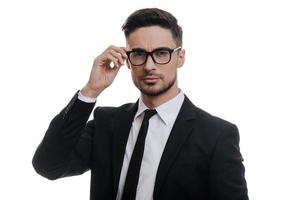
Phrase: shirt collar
(167, 111)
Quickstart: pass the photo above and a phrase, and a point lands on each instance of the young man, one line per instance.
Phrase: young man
(162, 146)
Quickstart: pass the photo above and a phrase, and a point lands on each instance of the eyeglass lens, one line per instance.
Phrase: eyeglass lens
(160, 56)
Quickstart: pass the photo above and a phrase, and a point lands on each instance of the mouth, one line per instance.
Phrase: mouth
(150, 79)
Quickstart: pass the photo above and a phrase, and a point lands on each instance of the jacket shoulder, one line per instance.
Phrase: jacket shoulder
(213, 126)
(203, 117)
(213, 130)
(212, 120)
(106, 111)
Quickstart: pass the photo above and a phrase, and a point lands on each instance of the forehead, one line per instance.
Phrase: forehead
(150, 37)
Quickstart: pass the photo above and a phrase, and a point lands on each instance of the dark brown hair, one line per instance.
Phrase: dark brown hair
(150, 17)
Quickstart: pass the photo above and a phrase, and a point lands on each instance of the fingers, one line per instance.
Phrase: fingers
(117, 55)
(114, 60)
(112, 55)
(120, 50)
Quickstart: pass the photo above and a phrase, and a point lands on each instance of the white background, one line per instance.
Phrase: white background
(242, 64)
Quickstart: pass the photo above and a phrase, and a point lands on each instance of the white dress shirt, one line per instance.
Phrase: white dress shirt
(86, 99)
(159, 129)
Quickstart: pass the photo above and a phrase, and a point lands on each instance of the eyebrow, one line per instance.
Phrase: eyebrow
(140, 49)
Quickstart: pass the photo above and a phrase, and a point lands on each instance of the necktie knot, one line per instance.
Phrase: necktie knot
(149, 113)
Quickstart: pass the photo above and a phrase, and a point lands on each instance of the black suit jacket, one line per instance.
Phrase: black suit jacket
(201, 159)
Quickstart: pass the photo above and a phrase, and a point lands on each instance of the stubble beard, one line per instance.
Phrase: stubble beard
(160, 91)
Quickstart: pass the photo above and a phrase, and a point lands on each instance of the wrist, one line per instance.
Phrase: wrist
(88, 92)
(86, 99)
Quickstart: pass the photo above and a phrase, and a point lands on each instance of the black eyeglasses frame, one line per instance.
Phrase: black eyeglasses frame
(151, 54)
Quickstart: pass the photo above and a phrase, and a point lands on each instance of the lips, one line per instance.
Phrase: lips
(150, 79)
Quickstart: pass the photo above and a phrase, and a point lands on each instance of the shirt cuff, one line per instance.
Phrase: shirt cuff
(86, 99)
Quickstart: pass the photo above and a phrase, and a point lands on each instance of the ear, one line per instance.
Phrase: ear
(181, 58)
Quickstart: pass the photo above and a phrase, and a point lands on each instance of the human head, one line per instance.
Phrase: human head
(150, 29)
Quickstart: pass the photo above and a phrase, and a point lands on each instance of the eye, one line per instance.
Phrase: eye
(138, 54)
(161, 53)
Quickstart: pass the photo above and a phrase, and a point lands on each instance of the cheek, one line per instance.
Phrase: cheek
(135, 74)
(170, 73)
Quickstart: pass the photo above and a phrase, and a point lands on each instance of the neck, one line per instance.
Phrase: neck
(155, 101)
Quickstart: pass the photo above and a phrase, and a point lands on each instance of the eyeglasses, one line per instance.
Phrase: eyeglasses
(159, 56)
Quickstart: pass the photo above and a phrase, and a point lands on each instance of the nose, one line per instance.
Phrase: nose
(150, 64)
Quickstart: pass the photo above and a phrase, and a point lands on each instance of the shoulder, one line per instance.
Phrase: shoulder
(204, 116)
(211, 120)
(109, 111)
(211, 124)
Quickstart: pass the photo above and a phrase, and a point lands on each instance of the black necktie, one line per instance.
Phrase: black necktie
(133, 172)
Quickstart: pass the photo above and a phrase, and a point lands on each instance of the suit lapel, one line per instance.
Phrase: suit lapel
(122, 125)
(181, 130)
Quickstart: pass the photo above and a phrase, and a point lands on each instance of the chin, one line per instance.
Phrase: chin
(153, 91)
(149, 91)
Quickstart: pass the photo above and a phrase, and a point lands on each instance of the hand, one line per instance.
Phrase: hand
(102, 74)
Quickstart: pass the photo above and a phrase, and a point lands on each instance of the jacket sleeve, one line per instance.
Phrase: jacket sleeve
(66, 147)
(226, 177)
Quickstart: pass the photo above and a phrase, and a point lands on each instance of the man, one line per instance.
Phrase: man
(161, 147)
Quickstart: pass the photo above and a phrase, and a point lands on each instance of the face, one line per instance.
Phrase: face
(154, 79)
